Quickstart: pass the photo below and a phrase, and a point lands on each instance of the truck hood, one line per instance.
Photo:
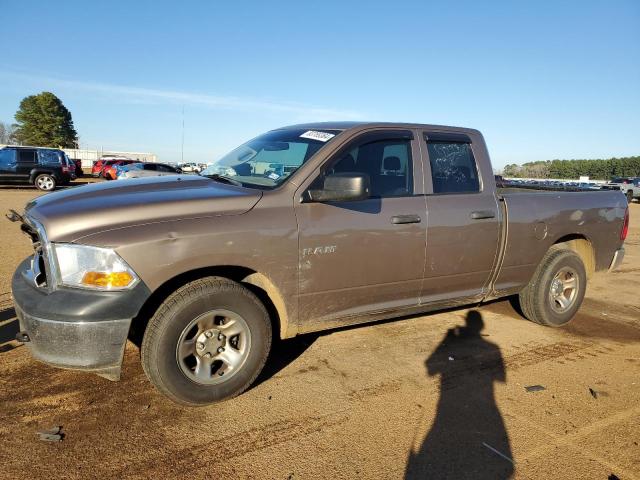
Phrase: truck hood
(76, 212)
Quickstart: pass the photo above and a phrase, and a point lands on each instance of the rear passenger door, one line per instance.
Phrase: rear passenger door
(27, 161)
(464, 218)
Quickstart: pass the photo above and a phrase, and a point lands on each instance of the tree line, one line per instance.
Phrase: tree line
(43, 121)
(598, 169)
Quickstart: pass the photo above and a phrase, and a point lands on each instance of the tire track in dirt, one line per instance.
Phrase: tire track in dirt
(376, 390)
(199, 457)
(464, 366)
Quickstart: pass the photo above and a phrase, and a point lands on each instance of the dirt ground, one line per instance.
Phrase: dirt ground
(391, 400)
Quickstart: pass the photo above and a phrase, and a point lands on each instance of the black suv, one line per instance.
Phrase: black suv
(43, 167)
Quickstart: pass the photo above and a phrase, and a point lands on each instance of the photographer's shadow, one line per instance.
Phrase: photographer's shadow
(468, 438)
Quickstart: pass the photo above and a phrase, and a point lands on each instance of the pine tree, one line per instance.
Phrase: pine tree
(44, 121)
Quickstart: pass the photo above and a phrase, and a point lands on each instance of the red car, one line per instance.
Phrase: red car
(101, 167)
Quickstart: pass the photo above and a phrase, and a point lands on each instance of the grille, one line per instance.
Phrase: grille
(39, 261)
(39, 268)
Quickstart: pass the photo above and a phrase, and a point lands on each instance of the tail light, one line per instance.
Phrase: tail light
(625, 225)
(65, 169)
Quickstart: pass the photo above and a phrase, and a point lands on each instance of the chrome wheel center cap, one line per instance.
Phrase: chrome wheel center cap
(556, 287)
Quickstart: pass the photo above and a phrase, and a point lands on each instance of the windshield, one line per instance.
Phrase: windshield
(268, 160)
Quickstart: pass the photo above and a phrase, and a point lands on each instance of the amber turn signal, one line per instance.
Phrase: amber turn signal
(107, 280)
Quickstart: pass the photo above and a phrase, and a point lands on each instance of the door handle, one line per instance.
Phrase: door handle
(477, 215)
(400, 219)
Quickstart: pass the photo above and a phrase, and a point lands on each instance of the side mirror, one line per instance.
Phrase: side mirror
(342, 187)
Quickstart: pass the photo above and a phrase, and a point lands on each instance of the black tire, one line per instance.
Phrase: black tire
(166, 328)
(537, 299)
(45, 182)
(629, 196)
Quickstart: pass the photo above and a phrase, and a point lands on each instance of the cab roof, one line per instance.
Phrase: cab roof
(352, 125)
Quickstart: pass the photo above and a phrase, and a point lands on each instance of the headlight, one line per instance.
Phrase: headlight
(93, 267)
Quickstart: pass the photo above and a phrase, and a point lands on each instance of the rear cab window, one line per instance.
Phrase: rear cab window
(453, 165)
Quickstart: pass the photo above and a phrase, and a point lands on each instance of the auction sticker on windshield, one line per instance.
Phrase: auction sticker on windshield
(315, 135)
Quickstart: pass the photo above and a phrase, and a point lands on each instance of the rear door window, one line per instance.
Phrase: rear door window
(27, 156)
(49, 157)
(453, 167)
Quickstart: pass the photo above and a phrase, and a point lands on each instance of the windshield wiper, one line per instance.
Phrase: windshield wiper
(223, 179)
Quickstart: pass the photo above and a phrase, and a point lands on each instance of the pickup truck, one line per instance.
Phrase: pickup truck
(630, 186)
(378, 220)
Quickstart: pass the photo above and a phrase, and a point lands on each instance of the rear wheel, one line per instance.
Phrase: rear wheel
(629, 196)
(555, 293)
(207, 342)
(45, 182)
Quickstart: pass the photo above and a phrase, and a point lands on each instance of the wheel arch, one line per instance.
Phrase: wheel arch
(258, 283)
(582, 246)
(39, 171)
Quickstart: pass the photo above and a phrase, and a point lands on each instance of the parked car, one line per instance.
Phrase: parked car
(110, 171)
(99, 167)
(630, 186)
(43, 167)
(207, 270)
(78, 167)
(190, 168)
(139, 170)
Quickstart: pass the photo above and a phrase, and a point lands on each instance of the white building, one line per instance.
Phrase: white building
(88, 157)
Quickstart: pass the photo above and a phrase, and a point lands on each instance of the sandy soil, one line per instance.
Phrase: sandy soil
(391, 400)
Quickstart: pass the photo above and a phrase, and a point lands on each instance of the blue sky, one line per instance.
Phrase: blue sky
(541, 80)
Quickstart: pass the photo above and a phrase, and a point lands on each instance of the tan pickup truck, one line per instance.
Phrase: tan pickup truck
(304, 228)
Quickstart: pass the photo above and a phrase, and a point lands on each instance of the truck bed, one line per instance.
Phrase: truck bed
(536, 219)
(546, 189)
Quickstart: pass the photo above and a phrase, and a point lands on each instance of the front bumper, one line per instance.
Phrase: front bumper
(617, 259)
(75, 328)
(97, 347)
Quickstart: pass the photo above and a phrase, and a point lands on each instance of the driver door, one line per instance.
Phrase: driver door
(364, 257)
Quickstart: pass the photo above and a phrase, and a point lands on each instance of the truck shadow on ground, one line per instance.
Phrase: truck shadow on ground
(285, 352)
(467, 438)
(589, 321)
(8, 330)
(7, 314)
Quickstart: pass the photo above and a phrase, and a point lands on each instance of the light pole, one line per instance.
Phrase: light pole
(182, 147)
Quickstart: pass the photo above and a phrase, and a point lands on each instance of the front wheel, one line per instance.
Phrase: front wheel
(555, 293)
(207, 342)
(45, 182)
